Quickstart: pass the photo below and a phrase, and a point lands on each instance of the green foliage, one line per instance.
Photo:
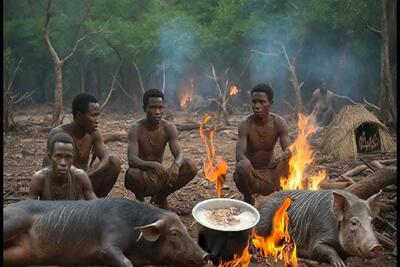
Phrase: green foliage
(182, 33)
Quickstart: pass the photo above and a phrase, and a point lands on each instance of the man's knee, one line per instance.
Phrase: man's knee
(115, 163)
(190, 167)
(243, 167)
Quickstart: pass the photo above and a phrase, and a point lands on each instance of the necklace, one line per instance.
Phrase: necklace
(264, 132)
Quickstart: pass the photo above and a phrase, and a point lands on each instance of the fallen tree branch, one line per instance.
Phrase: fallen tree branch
(115, 136)
(374, 182)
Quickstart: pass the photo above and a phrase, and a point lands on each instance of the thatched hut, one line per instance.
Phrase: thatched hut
(341, 139)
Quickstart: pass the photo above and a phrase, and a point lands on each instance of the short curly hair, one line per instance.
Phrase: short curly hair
(151, 93)
(81, 103)
(265, 88)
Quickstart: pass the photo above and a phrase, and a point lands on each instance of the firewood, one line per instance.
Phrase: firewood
(355, 171)
(387, 223)
(188, 127)
(334, 185)
(385, 241)
(377, 164)
(309, 262)
(374, 182)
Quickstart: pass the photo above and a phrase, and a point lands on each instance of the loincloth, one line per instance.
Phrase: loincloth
(264, 181)
(153, 182)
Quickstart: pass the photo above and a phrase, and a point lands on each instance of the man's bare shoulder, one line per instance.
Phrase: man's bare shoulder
(39, 176)
(137, 124)
(168, 125)
(79, 173)
(247, 120)
(278, 120)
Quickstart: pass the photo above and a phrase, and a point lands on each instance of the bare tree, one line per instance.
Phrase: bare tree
(58, 64)
(10, 100)
(387, 100)
(223, 92)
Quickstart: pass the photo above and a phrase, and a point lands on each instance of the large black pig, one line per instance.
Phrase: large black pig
(327, 225)
(108, 231)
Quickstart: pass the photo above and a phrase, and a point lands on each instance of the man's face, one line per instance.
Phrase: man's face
(155, 109)
(61, 158)
(260, 103)
(90, 119)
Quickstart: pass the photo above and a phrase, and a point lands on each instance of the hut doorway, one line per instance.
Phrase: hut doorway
(367, 138)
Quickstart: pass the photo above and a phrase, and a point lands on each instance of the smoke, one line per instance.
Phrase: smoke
(177, 47)
(323, 56)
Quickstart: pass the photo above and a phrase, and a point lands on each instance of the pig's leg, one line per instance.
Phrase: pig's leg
(324, 252)
(115, 257)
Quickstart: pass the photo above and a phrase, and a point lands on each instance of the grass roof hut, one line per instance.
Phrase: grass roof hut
(341, 137)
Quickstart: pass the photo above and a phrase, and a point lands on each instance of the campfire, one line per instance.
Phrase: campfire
(279, 244)
(185, 96)
(233, 90)
(302, 157)
(239, 260)
(215, 167)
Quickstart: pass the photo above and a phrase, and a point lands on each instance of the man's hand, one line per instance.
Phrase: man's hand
(173, 172)
(287, 153)
(161, 172)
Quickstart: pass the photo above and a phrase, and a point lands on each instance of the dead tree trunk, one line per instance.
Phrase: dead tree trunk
(387, 101)
(58, 65)
(291, 66)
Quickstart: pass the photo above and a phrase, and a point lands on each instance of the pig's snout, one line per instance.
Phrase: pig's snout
(376, 250)
(200, 261)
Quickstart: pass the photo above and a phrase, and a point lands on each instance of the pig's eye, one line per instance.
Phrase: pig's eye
(174, 233)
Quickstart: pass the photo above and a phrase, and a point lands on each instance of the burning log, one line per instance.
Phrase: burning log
(215, 173)
(279, 244)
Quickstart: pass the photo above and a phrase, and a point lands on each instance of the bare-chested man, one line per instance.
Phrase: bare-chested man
(323, 104)
(61, 181)
(256, 171)
(147, 139)
(83, 129)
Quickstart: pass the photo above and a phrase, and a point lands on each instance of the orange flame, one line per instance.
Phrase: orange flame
(279, 244)
(214, 173)
(301, 158)
(184, 98)
(239, 260)
(233, 90)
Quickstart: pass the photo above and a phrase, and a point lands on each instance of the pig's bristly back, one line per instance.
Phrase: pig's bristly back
(310, 214)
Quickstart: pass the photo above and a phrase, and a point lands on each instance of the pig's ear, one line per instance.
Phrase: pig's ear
(151, 232)
(340, 205)
(373, 203)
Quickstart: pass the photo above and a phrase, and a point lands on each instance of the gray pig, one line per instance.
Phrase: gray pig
(326, 225)
(107, 231)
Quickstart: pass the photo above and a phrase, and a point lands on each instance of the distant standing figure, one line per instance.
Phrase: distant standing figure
(87, 139)
(61, 180)
(322, 104)
(256, 171)
(147, 139)
(362, 142)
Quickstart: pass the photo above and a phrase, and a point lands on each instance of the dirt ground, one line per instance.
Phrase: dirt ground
(23, 151)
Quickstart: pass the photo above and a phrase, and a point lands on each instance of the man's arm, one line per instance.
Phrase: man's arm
(174, 144)
(36, 186)
(241, 144)
(101, 152)
(84, 180)
(284, 139)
